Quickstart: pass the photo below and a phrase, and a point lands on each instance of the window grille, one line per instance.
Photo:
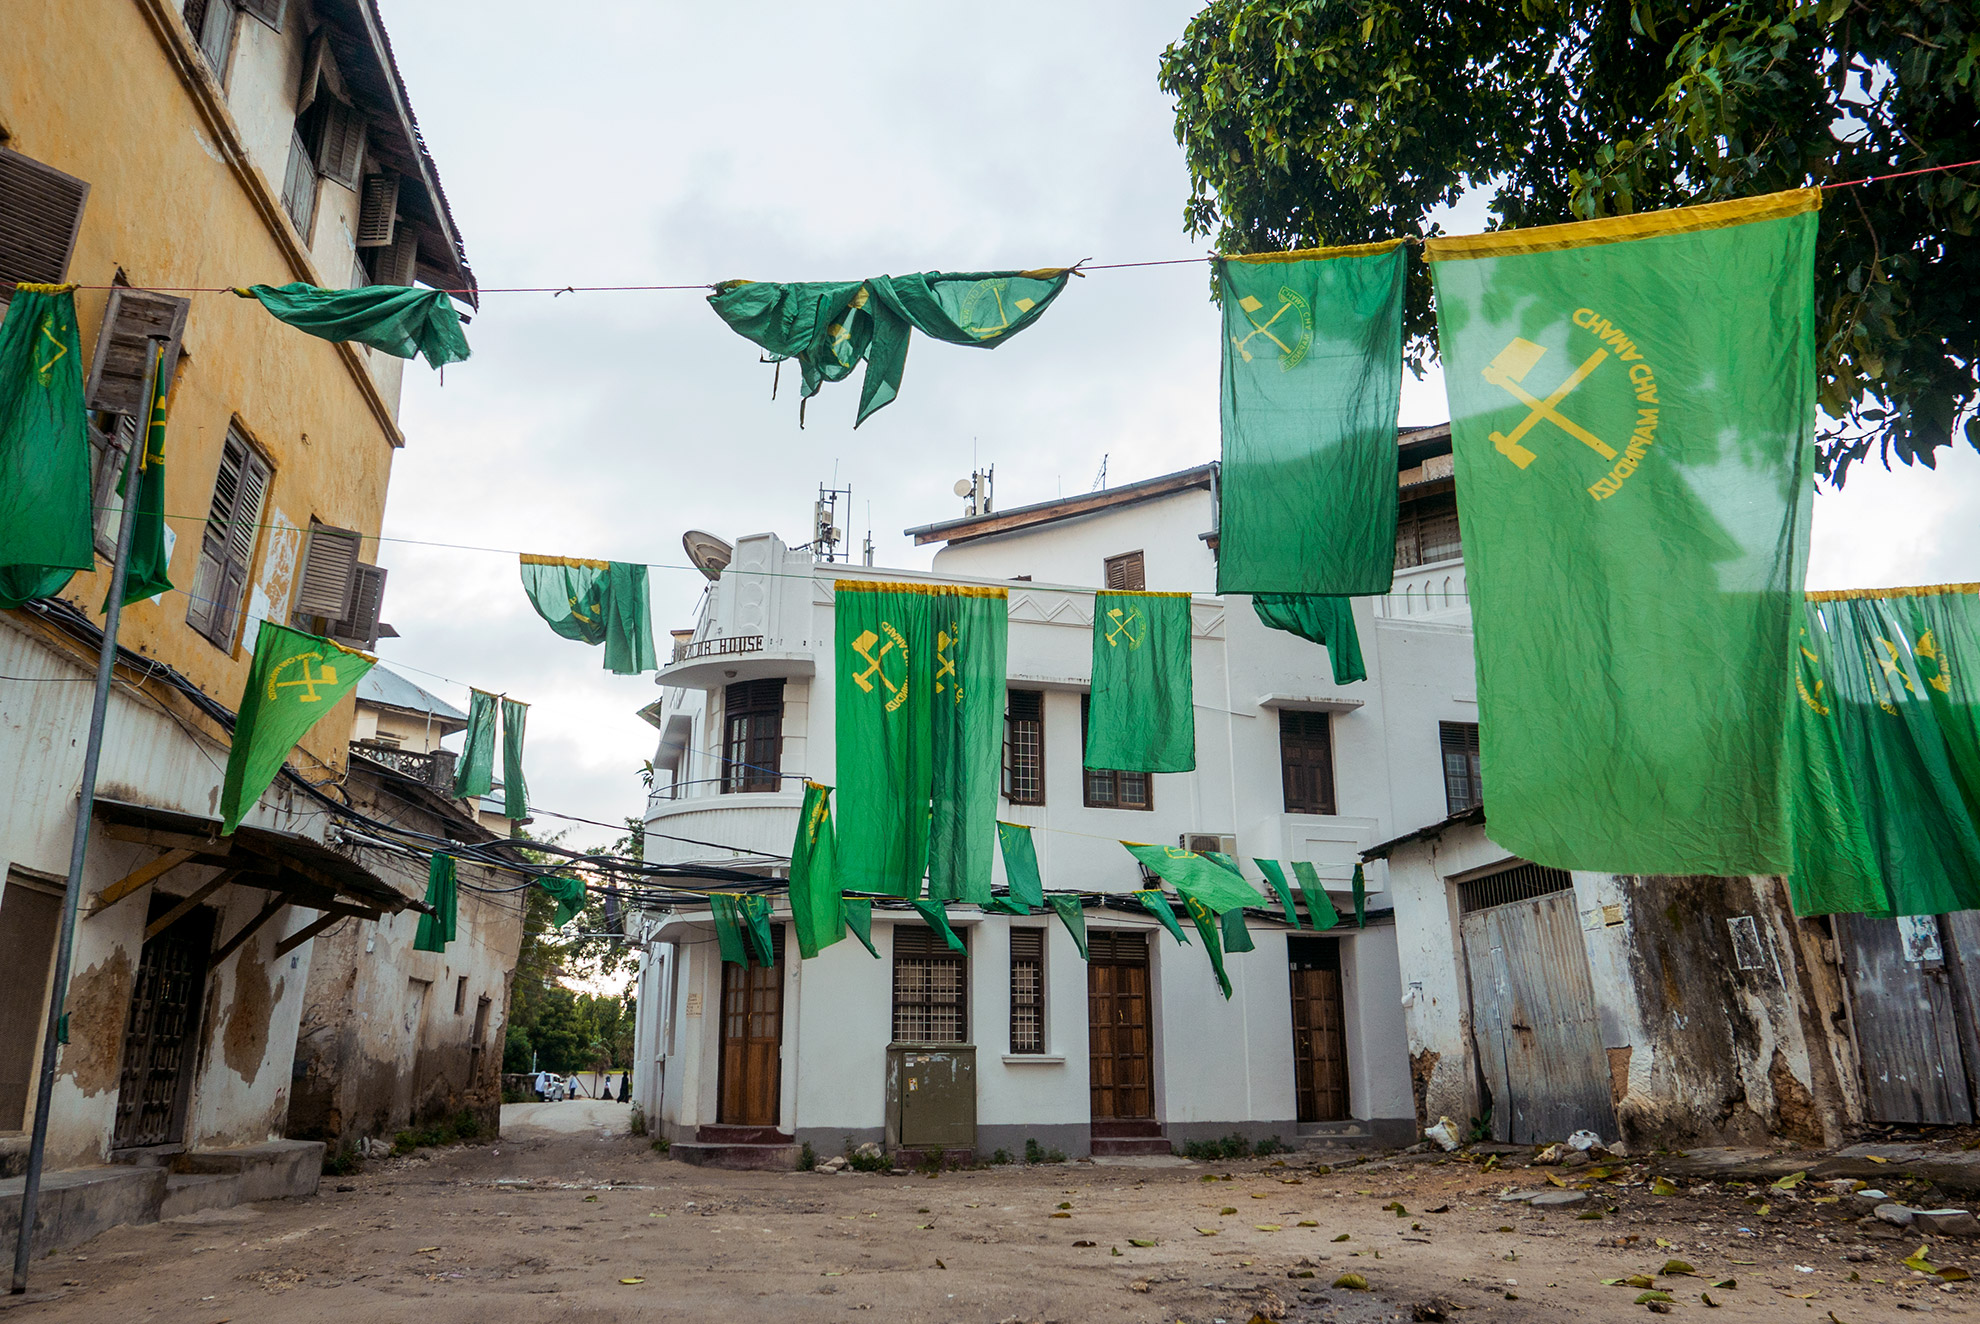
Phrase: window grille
(1521, 882)
(930, 988)
(1427, 532)
(1027, 990)
(1463, 787)
(1024, 744)
(1107, 789)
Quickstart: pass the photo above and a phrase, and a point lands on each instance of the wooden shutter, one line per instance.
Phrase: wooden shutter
(211, 23)
(379, 209)
(240, 491)
(340, 144)
(108, 451)
(320, 74)
(396, 265)
(268, 11)
(360, 628)
(123, 348)
(40, 212)
(1306, 757)
(329, 574)
(1125, 573)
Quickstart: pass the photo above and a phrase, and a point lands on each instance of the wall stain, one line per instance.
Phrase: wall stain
(1422, 1066)
(98, 1006)
(244, 1044)
(1619, 1073)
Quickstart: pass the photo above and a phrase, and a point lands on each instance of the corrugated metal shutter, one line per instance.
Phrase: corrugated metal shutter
(40, 212)
(123, 348)
(329, 572)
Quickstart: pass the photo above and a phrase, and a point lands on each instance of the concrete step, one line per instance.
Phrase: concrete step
(742, 1135)
(78, 1203)
(276, 1170)
(750, 1158)
(1115, 1128)
(190, 1192)
(1120, 1146)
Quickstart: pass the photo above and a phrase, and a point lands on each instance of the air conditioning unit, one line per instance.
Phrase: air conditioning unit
(1208, 841)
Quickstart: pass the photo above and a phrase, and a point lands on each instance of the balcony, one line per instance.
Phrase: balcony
(1433, 592)
(720, 659)
(434, 770)
(733, 830)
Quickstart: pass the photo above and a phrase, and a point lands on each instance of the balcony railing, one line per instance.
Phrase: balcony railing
(435, 769)
(1431, 590)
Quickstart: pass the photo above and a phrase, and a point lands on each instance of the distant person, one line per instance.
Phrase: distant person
(625, 1087)
(543, 1079)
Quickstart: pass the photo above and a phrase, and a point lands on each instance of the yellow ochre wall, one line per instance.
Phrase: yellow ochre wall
(114, 93)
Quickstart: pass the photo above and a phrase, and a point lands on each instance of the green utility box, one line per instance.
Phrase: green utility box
(931, 1096)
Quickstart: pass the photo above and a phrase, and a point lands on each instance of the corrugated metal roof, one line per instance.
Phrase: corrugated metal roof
(383, 685)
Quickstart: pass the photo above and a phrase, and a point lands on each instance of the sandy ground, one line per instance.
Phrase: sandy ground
(551, 1221)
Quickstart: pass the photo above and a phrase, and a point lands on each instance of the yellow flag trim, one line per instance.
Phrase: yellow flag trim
(1920, 591)
(1619, 229)
(528, 559)
(935, 590)
(1140, 593)
(1314, 254)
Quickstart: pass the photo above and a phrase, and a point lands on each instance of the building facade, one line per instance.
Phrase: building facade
(149, 148)
(1136, 1044)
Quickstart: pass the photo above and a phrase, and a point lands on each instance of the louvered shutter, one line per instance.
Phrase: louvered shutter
(233, 524)
(395, 265)
(268, 11)
(329, 573)
(340, 148)
(360, 628)
(211, 23)
(379, 209)
(123, 348)
(40, 212)
(108, 451)
(1125, 573)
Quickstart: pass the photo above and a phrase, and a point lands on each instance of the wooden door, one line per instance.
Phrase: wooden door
(161, 1031)
(752, 1039)
(1117, 1033)
(1533, 1020)
(1905, 1008)
(1319, 1023)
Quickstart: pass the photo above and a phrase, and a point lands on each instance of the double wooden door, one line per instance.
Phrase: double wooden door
(1319, 1022)
(752, 1039)
(161, 1031)
(1117, 1031)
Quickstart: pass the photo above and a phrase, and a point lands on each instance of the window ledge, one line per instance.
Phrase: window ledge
(1034, 1059)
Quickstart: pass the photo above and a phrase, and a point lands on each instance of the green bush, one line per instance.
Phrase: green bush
(807, 1158)
(637, 1123)
(859, 1162)
(1232, 1146)
(462, 1126)
(662, 1145)
(1001, 1157)
(1269, 1146)
(1037, 1153)
(340, 1162)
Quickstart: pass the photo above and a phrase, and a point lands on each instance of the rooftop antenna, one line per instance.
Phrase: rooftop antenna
(826, 535)
(977, 491)
(1100, 479)
(869, 533)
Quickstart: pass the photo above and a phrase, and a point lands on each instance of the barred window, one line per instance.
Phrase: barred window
(1027, 990)
(1105, 789)
(1024, 748)
(931, 984)
(1463, 787)
(1427, 532)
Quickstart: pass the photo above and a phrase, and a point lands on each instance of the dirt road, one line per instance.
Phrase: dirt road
(550, 1222)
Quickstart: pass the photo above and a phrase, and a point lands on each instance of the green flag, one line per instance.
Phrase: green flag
(294, 681)
(475, 775)
(1275, 875)
(1312, 381)
(1319, 906)
(1156, 902)
(402, 320)
(148, 573)
(920, 694)
(1360, 898)
(1835, 861)
(595, 602)
(1631, 406)
(1928, 845)
(816, 913)
(830, 326)
(515, 792)
(569, 895)
(1021, 865)
(1237, 938)
(46, 524)
(727, 917)
(858, 911)
(1143, 716)
(443, 894)
(1326, 621)
(1944, 626)
(1206, 928)
(1072, 913)
(938, 920)
(1219, 888)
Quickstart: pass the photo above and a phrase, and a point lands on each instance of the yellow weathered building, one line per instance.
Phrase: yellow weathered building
(176, 148)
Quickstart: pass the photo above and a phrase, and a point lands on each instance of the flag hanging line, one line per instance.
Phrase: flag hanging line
(555, 290)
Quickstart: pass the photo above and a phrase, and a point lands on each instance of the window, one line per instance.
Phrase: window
(299, 186)
(40, 212)
(1027, 990)
(1024, 747)
(226, 554)
(753, 723)
(1518, 882)
(1463, 788)
(460, 996)
(30, 913)
(930, 988)
(1125, 573)
(1427, 531)
(481, 1006)
(134, 321)
(211, 23)
(336, 593)
(1111, 790)
(1306, 762)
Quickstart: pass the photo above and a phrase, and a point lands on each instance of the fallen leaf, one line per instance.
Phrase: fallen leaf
(1876, 1158)
(1138, 1241)
(1291, 1181)
(1789, 1182)
(1208, 1231)
(1353, 1282)
(591, 1199)
(1663, 1186)
(1612, 1282)
(1228, 1209)
(1503, 1227)
(1342, 1237)
(1806, 1296)
(1114, 1251)
(663, 1215)
(924, 1227)
(1706, 1297)
(1138, 1285)
(1308, 1222)
(426, 1250)
(1952, 1273)
(940, 1265)
(1920, 1259)
(1673, 1268)
(1592, 1216)
(1397, 1205)
(1664, 1243)
(1645, 1298)
(1552, 1180)
(1266, 1227)
(632, 1282)
(1640, 1280)
(1061, 1214)
(1063, 1204)
(1208, 1176)
(1258, 1195)
(1728, 1283)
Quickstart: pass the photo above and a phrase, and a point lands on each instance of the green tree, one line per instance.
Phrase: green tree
(1341, 121)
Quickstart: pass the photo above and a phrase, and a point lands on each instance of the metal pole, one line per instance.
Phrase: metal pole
(106, 661)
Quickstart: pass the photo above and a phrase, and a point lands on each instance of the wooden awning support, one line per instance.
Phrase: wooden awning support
(304, 934)
(170, 917)
(248, 930)
(145, 873)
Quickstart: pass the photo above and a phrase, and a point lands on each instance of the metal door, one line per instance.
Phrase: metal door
(1533, 1020)
(1905, 1005)
(752, 1039)
(1319, 1026)
(1117, 1037)
(159, 1034)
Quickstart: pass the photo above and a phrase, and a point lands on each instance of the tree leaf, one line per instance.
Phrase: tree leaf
(1789, 1182)
(1352, 1282)
(1645, 1298)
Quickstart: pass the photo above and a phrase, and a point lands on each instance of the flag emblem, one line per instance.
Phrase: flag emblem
(308, 682)
(1298, 330)
(877, 664)
(1122, 625)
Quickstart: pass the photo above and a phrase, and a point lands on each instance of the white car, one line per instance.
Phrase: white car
(550, 1087)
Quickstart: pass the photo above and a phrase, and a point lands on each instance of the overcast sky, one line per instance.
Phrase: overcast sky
(665, 143)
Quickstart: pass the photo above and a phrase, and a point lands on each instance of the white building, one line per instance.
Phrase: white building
(1290, 766)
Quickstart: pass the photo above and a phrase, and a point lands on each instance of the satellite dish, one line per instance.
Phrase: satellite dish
(709, 554)
(964, 487)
